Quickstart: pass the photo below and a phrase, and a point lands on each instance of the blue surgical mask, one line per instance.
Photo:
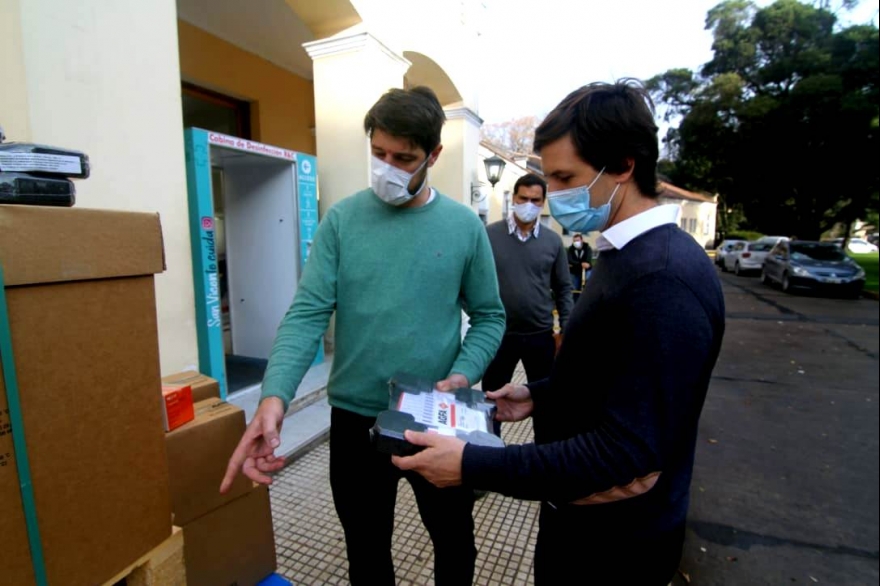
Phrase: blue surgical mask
(571, 208)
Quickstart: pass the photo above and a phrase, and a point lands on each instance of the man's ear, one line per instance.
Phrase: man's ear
(625, 176)
(432, 157)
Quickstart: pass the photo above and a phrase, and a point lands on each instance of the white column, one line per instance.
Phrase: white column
(456, 169)
(14, 116)
(350, 73)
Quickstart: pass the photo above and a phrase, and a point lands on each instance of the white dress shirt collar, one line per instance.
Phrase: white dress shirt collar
(619, 235)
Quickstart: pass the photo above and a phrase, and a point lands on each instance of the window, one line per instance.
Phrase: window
(212, 111)
(684, 224)
(803, 251)
(693, 226)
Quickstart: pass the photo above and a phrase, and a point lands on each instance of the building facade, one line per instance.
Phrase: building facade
(122, 79)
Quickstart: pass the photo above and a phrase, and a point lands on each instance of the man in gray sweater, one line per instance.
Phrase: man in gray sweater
(533, 279)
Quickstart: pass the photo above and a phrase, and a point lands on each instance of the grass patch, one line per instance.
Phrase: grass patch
(870, 262)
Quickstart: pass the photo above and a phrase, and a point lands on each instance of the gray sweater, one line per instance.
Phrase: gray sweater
(533, 278)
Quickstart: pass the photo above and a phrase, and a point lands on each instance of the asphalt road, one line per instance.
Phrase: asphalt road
(786, 479)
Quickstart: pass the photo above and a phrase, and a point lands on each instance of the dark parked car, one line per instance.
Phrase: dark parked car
(813, 265)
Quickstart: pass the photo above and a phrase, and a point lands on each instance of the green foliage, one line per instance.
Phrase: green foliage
(782, 121)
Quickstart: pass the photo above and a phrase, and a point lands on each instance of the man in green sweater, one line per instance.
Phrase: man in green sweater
(397, 262)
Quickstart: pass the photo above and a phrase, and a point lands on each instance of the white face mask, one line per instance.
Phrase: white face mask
(526, 212)
(392, 184)
(578, 244)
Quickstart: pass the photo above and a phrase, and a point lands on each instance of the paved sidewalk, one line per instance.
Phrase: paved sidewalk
(311, 548)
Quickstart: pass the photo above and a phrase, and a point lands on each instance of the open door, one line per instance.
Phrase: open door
(253, 213)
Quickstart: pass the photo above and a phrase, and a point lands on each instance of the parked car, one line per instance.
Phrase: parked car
(856, 245)
(859, 246)
(722, 250)
(746, 257)
(874, 239)
(812, 265)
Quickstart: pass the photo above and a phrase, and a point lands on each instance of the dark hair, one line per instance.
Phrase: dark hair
(528, 180)
(577, 235)
(608, 124)
(414, 114)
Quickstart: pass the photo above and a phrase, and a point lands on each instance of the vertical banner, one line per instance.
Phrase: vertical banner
(206, 278)
(307, 194)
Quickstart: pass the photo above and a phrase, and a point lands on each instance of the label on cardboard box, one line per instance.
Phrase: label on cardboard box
(178, 406)
(7, 457)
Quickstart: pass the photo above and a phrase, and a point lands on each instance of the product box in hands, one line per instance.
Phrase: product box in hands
(416, 405)
(83, 329)
(198, 453)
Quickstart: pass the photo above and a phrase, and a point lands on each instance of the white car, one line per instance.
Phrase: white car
(725, 247)
(747, 257)
(861, 246)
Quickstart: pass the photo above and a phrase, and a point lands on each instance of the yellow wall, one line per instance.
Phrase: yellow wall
(282, 103)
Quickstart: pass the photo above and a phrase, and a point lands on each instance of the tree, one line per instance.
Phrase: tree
(516, 136)
(782, 121)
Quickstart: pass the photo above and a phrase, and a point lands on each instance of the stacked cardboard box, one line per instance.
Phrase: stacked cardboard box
(79, 288)
(203, 387)
(229, 538)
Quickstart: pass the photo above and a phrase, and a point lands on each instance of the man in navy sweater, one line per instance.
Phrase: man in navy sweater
(614, 452)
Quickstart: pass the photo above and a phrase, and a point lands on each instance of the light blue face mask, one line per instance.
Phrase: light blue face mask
(571, 208)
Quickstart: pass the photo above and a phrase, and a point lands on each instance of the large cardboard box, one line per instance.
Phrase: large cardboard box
(232, 545)
(203, 387)
(198, 453)
(79, 286)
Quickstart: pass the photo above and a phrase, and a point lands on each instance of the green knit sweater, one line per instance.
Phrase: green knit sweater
(398, 279)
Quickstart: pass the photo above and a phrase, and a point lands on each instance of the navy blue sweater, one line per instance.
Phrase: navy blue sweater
(651, 321)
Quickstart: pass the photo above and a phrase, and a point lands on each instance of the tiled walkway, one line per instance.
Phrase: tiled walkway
(311, 548)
